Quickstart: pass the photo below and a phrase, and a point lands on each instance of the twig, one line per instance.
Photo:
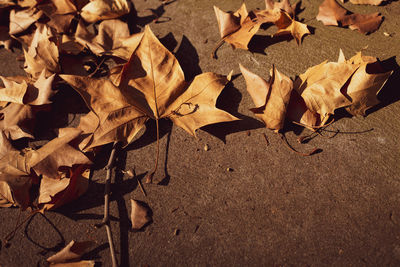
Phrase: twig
(285, 141)
(106, 220)
(132, 174)
(18, 225)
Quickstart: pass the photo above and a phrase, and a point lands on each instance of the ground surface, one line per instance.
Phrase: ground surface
(340, 207)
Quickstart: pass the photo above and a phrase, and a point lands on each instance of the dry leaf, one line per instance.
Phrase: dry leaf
(287, 25)
(54, 193)
(72, 252)
(321, 87)
(151, 85)
(236, 28)
(271, 98)
(331, 13)
(17, 121)
(367, 2)
(139, 215)
(22, 19)
(6, 198)
(104, 9)
(75, 264)
(365, 84)
(113, 38)
(42, 53)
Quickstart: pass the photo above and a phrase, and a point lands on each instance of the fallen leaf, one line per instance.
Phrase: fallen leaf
(236, 28)
(367, 2)
(321, 87)
(75, 264)
(271, 98)
(365, 84)
(22, 19)
(104, 9)
(288, 25)
(18, 121)
(113, 38)
(331, 13)
(42, 53)
(6, 198)
(151, 85)
(72, 252)
(54, 193)
(139, 215)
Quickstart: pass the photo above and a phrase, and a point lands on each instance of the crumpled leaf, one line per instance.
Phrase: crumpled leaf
(16, 167)
(139, 215)
(55, 193)
(321, 87)
(270, 98)
(367, 2)
(288, 25)
(72, 252)
(42, 53)
(22, 19)
(113, 38)
(17, 121)
(331, 13)
(75, 264)
(104, 9)
(365, 84)
(236, 28)
(6, 198)
(151, 85)
(60, 13)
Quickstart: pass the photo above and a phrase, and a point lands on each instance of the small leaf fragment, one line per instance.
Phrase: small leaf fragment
(139, 215)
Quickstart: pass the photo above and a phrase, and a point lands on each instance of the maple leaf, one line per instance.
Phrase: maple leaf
(22, 19)
(113, 38)
(365, 84)
(23, 98)
(151, 85)
(54, 193)
(17, 168)
(287, 25)
(42, 53)
(237, 28)
(321, 87)
(331, 13)
(271, 98)
(6, 197)
(71, 252)
(60, 13)
(367, 2)
(104, 9)
(139, 215)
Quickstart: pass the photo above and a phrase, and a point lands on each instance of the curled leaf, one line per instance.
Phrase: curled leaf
(139, 215)
(72, 252)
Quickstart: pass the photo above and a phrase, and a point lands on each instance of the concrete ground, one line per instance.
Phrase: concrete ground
(340, 207)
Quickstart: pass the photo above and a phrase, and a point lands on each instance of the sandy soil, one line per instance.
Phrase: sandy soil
(340, 207)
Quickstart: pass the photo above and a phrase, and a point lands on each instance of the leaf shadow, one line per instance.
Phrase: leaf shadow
(390, 93)
(259, 43)
(229, 101)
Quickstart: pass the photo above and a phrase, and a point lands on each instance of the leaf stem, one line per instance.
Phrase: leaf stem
(19, 224)
(218, 45)
(106, 218)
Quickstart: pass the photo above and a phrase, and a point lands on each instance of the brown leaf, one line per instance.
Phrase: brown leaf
(367, 2)
(271, 98)
(6, 197)
(22, 19)
(42, 53)
(282, 5)
(54, 193)
(321, 87)
(139, 215)
(18, 121)
(113, 38)
(75, 264)
(104, 9)
(236, 28)
(365, 84)
(151, 85)
(331, 13)
(72, 252)
(60, 13)
(287, 25)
